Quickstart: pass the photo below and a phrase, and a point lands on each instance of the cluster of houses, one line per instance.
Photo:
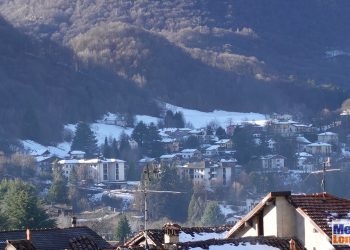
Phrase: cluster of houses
(281, 220)
(213, 160)
(211, 163)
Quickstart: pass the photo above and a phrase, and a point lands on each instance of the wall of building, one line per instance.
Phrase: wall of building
(285, 218)
(309, 236)
(270, 221)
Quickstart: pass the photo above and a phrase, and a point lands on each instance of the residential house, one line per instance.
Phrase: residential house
(306, 162)
(303, 128)
(328, 137)
(218, 173)
(319, 148)
(169, 159)
(225, 144)
(53, 239)
(97, 170)
(206, 172)
(301, 143)
(190, 153)
(272, 163)
(170, 145)
(284, 128)
(77, 154)
(173, 236)
(44, 164)
(194, 171)
(303, 217)
(211, 151)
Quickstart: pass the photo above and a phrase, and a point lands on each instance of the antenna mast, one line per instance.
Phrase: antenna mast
(323, 183)
(148, 174)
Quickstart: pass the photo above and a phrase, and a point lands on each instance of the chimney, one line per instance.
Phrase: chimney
(74, 221)
(292, 245)
(171, 233)
(28, 234)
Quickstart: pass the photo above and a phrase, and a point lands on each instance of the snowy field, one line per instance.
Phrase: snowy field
(104, 130)
(197, 118)
(201, 119)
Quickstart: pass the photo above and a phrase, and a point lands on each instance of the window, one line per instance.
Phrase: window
(105, 171)
(116, 171)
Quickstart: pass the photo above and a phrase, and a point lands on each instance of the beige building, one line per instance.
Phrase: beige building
(206, 173)
(318, 148)
(328, 137)
(272, 163)
(305, 218)
(98, 170)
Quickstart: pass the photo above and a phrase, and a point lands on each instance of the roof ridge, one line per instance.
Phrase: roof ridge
(43, 229)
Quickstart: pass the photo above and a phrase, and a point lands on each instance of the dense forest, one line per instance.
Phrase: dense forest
(83, 58)
(43, 86)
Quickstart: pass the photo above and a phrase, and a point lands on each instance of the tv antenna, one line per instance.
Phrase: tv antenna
(326, 168)
(151, 173)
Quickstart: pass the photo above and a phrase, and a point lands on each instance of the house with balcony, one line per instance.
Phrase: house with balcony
(272, 163)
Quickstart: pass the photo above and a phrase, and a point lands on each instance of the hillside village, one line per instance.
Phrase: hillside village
(233, 166)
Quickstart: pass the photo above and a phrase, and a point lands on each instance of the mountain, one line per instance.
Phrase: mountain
(240, 55)
(43, 86)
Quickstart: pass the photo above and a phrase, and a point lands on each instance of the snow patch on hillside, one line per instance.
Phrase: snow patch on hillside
(102, 131)
(201, 119)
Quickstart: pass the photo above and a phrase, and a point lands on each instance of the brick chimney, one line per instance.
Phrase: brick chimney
(28, 234)
(74, 221)
(292, 245)
(171, 233)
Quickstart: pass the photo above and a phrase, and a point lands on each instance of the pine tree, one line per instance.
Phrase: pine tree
(220, 133)
(124, 147)
(21, 207)
(212, 215)
(114, 149)
(139, 133)
(106, 149)
(84, 140)
(152, 142)
(58, 190)
(179, 120)
(122, 230)
(169, 119)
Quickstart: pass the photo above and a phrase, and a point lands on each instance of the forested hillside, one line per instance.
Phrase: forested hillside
(239, 55)
(43, 86)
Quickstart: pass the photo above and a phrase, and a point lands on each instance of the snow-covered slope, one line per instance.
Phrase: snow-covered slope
(197, 118)
(200, 119)
(104, 130)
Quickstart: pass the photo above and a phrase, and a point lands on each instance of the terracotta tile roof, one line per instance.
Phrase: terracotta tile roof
(322, 208)
(278, 242)
(54, 238)
(157, 235)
